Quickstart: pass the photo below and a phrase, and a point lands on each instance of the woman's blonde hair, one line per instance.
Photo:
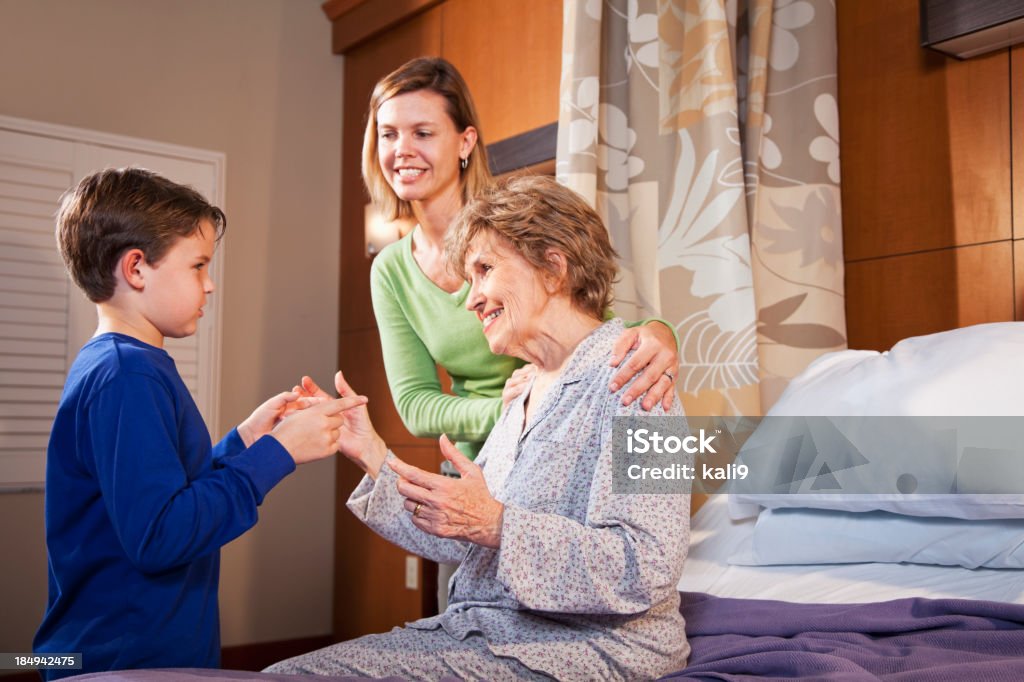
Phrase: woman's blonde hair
(436, 75)
(535, 215)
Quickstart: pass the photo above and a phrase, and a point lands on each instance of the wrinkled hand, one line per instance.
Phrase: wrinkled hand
(656, 357)
(517, 383)
(313, 433)
(357, 439)
(459, 508)
(268, 415)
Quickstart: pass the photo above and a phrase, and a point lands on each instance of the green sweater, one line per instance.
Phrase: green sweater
(422, 326)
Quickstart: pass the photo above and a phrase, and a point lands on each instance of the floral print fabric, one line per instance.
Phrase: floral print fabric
(706, 134)
(584, 583)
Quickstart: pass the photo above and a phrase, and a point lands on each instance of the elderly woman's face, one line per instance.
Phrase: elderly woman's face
(506, 292)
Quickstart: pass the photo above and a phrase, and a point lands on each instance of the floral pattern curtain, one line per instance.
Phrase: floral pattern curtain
(706, 134)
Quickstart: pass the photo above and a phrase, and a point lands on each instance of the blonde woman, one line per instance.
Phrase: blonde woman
(424, 157)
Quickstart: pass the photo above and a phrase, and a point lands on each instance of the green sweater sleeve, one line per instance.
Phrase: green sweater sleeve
(609, 315)
(426, 410)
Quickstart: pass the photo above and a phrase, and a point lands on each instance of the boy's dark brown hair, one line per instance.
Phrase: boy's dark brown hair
(115, 210)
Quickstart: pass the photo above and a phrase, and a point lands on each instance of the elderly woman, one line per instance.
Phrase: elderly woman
(559, 576)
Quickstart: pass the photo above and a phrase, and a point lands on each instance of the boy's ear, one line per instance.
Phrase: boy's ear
(130, 268)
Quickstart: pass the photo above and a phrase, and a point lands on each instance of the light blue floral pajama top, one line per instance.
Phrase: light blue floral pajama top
(584, 583)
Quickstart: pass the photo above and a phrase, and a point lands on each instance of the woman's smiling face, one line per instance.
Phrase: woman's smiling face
(507, 293)
(418, 147)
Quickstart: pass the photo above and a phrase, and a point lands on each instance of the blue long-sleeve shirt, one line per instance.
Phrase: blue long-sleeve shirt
(138, 504)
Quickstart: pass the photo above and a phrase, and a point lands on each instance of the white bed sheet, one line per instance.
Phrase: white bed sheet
(714, 537)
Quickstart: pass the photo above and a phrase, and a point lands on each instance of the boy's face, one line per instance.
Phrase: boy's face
(177, 285)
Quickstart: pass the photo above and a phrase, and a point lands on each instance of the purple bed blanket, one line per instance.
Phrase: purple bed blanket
(905, 639)
(936, 640)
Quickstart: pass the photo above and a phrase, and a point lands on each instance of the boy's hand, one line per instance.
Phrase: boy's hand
(313, 433)
(265, 417)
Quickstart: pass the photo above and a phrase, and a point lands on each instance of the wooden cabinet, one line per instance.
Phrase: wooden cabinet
(510, 55)
(926, 157)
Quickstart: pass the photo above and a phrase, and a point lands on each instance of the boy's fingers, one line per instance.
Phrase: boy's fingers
(352, 401)
(281, 399)
(339, 405)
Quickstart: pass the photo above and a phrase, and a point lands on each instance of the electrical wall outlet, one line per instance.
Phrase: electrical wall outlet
(412, 572)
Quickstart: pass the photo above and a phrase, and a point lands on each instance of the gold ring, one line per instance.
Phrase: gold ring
(416, 509)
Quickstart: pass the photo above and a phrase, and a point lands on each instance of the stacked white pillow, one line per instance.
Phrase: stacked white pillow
(974, 371)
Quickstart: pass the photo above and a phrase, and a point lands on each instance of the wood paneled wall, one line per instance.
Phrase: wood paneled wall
(927, 155)
(510, 55)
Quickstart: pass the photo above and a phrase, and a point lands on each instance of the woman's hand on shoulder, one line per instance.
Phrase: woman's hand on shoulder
(654, 363)
(517, 383)
(458, 508)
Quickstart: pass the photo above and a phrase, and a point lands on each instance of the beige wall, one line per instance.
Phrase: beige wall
(254, 79)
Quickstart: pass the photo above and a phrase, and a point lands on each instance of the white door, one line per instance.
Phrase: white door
(44, 318)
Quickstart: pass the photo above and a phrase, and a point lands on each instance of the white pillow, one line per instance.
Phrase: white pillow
(974, 371)
(817, 536)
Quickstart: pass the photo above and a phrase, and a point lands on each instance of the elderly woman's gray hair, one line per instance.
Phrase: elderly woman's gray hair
(535, 214)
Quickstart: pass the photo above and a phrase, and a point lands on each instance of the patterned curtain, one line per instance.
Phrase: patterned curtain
(706, 134)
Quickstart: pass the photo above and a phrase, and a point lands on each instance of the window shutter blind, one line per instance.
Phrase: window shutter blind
(44, 318)
(34, 292)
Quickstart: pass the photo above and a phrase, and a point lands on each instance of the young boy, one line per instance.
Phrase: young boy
(138, 502)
